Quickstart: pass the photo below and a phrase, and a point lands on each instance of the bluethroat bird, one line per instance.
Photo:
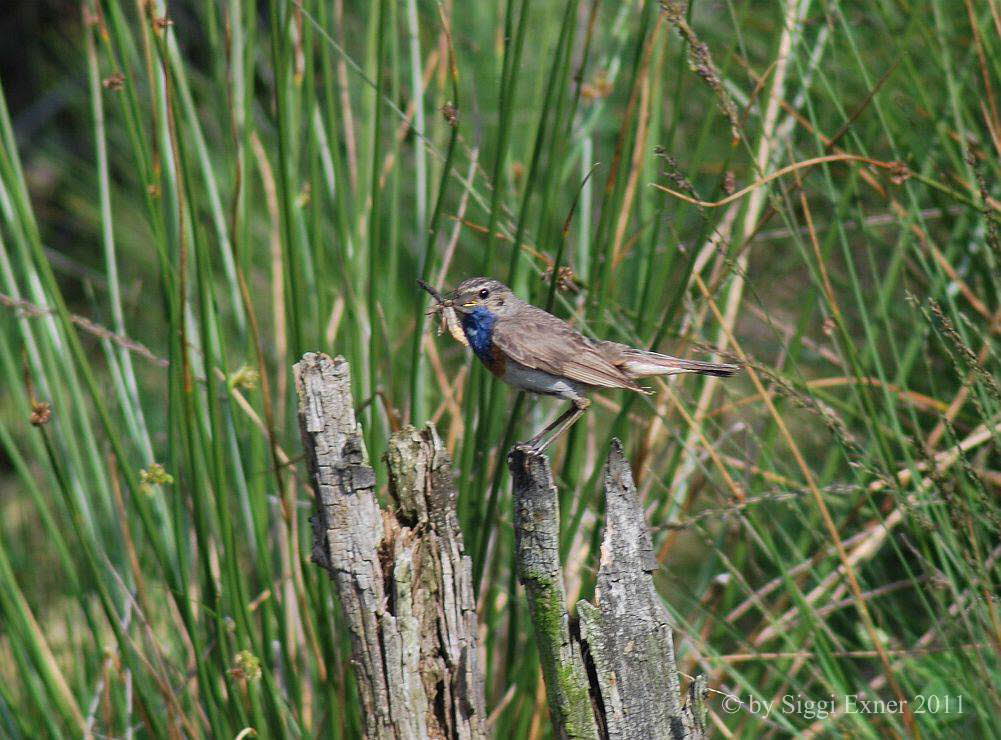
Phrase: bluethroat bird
(535, 351)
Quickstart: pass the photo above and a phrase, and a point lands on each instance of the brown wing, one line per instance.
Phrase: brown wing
(541, 341)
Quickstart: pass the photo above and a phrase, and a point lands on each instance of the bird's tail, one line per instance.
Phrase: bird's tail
(641, 364)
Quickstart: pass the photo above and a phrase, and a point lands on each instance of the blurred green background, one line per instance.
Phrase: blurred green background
(194, 194)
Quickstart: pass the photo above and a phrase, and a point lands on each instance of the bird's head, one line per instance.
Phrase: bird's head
(481, 292)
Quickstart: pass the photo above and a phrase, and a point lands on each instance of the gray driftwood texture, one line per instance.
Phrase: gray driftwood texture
(402, 577)
(537, 547)
(618, 677)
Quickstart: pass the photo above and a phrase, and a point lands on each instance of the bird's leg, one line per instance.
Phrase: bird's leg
(551, 433)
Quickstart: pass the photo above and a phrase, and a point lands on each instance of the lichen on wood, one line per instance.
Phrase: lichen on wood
(537, 545)
(621, 669)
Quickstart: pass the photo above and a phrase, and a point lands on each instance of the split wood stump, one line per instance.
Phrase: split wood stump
(615, 677)
(405, 585)
(402, 576)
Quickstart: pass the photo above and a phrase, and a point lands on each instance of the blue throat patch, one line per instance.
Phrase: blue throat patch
(479, 329)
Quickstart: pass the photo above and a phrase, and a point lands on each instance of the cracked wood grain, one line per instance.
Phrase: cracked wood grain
(402, 576)
(618, 678)
(537, 548)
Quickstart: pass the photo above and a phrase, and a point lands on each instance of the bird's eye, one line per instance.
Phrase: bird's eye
(484, 293)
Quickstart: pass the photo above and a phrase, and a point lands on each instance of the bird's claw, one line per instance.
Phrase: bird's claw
(527, 448)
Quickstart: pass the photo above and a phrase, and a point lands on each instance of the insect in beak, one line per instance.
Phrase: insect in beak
(446, 308)
(442, 302)
(438, 307)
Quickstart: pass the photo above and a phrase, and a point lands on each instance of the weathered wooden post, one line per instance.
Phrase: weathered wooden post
(405, 585)
(402, 576)
(619, 678)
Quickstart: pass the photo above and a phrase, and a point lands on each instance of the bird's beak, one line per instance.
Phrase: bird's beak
(465, 304)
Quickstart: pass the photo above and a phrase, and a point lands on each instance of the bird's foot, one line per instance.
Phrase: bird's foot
(538, 444)
(528, 448)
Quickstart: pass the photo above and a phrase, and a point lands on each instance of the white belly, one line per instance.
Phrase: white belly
(537, 381)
